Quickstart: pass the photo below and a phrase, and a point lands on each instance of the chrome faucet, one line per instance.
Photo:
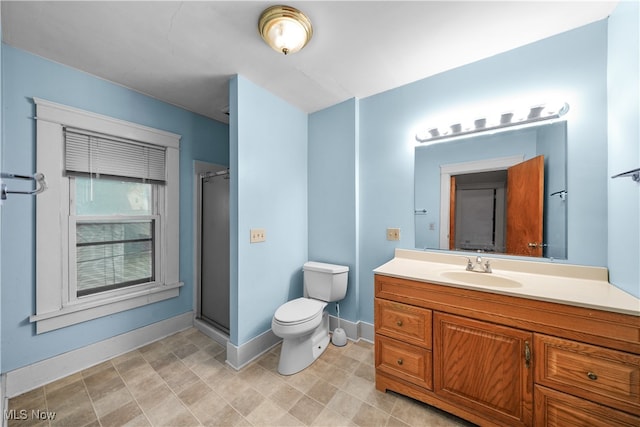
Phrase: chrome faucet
(484, 266)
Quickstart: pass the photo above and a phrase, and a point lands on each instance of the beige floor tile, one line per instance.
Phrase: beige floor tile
(225, 417)
(103, 383)
(246, 402)
(194, 392)
(347, 363)
(97, 368)
(306, 410)
(384, 401)
(198, 338)
(287, 420)
(330, 418)
(358, 386)
(154, 397)
(285, 395)
(345, 404)
(322, 391)
(169, 412)
(140, 385)
(302, 381)
(62, 382)
(184, 380)
(206, 408)
(129, 413)
(370, 416)
(112, 401)
(265, 413)
(131, 364)
(33, 399)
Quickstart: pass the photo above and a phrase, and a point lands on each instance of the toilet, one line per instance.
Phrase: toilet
(303, 323)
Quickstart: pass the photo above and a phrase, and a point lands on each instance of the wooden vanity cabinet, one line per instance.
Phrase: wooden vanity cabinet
(498, 360)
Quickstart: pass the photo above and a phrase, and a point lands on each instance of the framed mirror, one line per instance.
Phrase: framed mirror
(504, 193)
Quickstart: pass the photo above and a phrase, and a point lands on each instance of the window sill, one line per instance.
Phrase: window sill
(82, 312)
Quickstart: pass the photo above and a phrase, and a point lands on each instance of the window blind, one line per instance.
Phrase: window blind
(88, 153)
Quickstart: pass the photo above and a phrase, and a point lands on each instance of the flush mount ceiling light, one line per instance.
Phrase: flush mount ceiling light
(285, 28)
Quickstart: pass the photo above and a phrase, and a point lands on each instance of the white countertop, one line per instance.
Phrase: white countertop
(576, 285)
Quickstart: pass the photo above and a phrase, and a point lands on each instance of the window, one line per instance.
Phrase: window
(106, 234)
(113, 233)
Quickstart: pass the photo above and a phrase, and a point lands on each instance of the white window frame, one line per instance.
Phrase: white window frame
(56, 304)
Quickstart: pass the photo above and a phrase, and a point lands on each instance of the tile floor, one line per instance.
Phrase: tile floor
(183, 380)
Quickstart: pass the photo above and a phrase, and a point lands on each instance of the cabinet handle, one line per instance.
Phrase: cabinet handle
(400, 361)
(399, 323)
(527, 354)
(592, 376)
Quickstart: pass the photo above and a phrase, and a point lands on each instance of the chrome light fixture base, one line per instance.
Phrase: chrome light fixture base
(285, 28)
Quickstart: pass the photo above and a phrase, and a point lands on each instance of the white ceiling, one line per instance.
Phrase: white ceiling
(185, 52)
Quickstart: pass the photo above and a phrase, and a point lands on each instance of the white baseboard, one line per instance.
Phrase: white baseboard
(354, 330)
(29, 377)
(240, 356)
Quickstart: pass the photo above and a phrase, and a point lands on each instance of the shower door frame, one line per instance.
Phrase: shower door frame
(200, 168)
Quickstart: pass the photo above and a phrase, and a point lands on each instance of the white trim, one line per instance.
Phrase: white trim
(366, 331)
(69, 116)
(40, 373)
(53, 308)
(240, 356)
(499, 163)
(77, 313)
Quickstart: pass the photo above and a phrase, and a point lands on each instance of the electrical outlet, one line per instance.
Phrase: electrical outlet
(258, 235)
(393, 234)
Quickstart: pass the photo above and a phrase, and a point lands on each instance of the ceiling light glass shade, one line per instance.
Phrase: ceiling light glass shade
(285, 29)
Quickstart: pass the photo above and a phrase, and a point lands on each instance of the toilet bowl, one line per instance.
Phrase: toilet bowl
(303, 323)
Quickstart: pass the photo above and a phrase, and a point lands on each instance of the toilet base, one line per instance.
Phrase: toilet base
(298, 353)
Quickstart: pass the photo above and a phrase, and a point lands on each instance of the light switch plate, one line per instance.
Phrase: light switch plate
(258, 235)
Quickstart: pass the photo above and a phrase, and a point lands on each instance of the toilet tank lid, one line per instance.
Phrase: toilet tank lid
(324, 268)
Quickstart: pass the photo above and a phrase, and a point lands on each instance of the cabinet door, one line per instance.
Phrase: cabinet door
(484, 367)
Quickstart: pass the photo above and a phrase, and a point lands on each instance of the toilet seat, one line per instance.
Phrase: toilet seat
(300, 310)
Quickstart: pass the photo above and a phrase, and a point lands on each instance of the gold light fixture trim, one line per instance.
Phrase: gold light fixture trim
(285, 28)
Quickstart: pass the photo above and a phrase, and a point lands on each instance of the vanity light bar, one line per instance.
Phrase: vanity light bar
(537, 113)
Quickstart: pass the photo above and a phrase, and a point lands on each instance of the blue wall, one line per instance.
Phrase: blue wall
(333, 194)
(25, 76)
(269, 190)
(624, 146)
(570, 67)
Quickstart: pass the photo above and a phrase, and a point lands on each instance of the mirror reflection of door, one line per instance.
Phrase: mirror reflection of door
(499, 211)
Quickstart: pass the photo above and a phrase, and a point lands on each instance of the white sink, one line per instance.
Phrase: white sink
(481, 279)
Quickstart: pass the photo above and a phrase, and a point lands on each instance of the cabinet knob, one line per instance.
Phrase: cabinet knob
(399, 323)
(592, 376)
(400, 361)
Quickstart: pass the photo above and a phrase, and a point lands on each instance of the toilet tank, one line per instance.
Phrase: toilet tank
(325, 282)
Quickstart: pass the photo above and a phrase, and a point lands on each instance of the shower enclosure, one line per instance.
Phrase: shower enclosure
(212, 249)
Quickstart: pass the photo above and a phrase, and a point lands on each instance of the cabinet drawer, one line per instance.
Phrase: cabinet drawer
(405, 322)
(405, 361)
(599, 374)
(556, 409)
